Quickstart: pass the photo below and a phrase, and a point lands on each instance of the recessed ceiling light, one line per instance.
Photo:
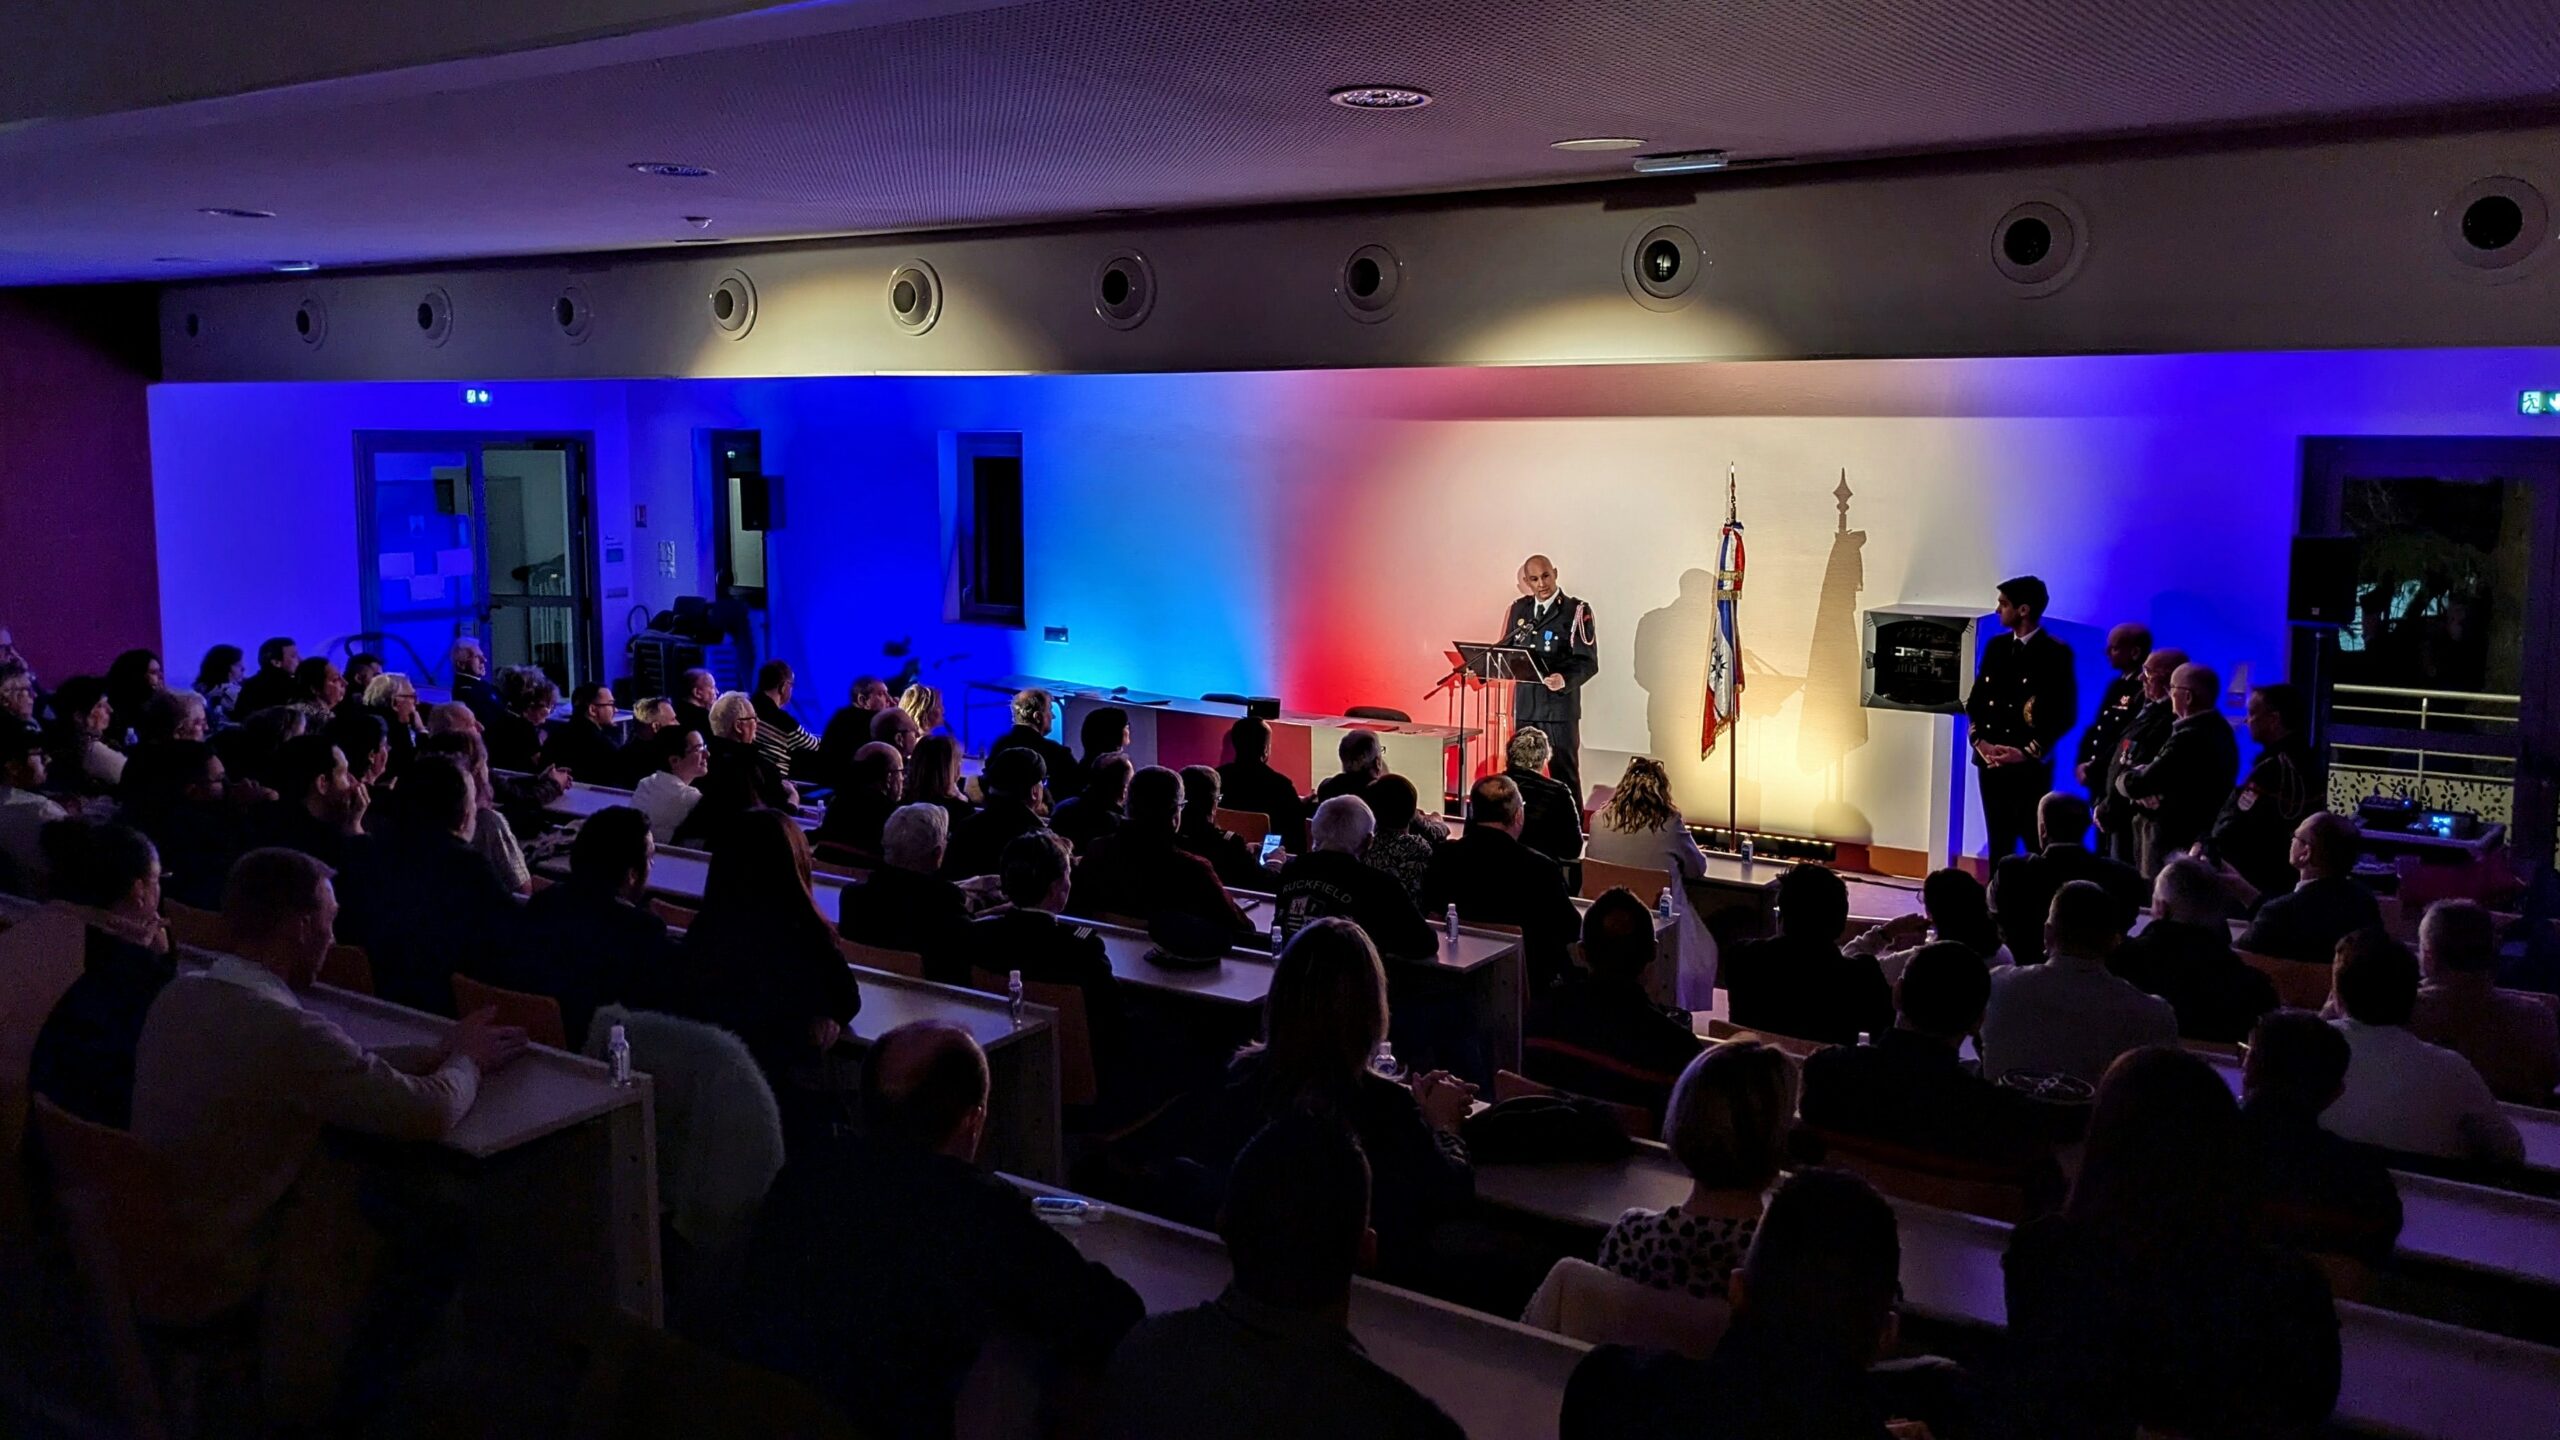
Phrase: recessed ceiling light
(293, 267)
(228, 212)
(1380, 97)
(698, 222)
(669, 169)
(1686, 162)
(1599, 142)
(177, 260)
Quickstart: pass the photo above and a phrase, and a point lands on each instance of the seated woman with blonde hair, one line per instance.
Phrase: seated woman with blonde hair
(1641, 826)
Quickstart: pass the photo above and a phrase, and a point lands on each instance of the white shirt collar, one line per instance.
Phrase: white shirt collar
(249, 975)
(2030, 635)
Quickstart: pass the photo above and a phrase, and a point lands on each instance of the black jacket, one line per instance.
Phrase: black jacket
(878, 1271)
(1494, 879)
(1082, 821)
(2254, 829)
(738, 781)
(1755, 1386)
(1239, 865)
(83, 1059)
(591, 753)
(1252, 785)
(1908, 1089)
(1608, 1040)
(266, 690)
(1051, 951)
(2022, 889)
(1788, 985)
(764, 977)
(2306, 923)
(197, 841)
(1563, 643)
(475, 692)
(2191, 777)
(1143, 871)
(585, 947)
(2217, 996)
(901, 910)
(2025, 694)
(514, 742)
(1552, 820)
(2117, 705)
(1057, 761)
(2320, 1194)
(1327, 884)
(424, 905)
(977, 846)
(848, 730)
(2140, 741)
(855, 819)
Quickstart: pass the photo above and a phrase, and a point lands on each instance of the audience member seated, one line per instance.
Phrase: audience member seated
(882, 1264)
(2326, 906)
(83, 1059)
(275, 684)
(2178, 791)
(133, 679)
(1331, 881)
(516, 734)
(172, 715)
(2147, 1304)
(2184, 956)
(1322, 1026)
(1011, 784)
(1142, 871)
(1953, 907)
(1035, 712)
(218, 681)
(740, 778)
(1028, 935)
(1250, 784)
(1727, 1126)
(527, 797)
(781, 739)
(319, 807)
(83, 762)
(362, 666)
(236, 1081)
(649, 715)
(1600, 1034)
(1104, 731)
(322, 683)
(1493, 879)
(1909, 1086)
(924, 704)
(1364, 760)
(394, 700)
(1554, 824)
(761, 962)
(18, 699)
(174, 793)
(590, 746)
(2253, 833)
(419, 898)
(1813, 1307)
(933, 777)
(2022, 886)
(2512, 1040)
(894, 726)
(249, 750)
(1798, 983)
(699, 691)
(2401, 1092)
(491, 835)
(905, 904)
(1273, 1358)
(1101, 807)
(849, 729)
(864, 797)
(2321, 1194)
(1400, 847)
(364, 740)
(24, 811)
(591, 940)
(1238, 862)
(1641, 826)
(666, 794)
(2071, 1015)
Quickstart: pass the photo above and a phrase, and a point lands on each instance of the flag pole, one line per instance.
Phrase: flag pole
(1733, 723)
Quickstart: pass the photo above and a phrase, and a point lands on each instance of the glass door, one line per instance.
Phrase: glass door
(477, 535)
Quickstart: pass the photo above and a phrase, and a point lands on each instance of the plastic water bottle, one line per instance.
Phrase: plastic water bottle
(1278, 936)
(1662, 906)
(1013, 998)
(1069, 1209)
(1385, 1062)
(1451, 925)
(1746, 851)
(617, 1054)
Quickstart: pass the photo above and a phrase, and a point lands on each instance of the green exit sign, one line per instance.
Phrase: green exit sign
(2539, 402)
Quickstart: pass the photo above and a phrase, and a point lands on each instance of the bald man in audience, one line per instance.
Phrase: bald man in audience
(866, 794)
(896, 727)
(1495, 879)
(2177, 793)
(1364, 760)
(2069, 1015)
(2325, 906)
(882, 1264)
(2512, 1039)
(2401, 1092)
(2022, 886)
(1142, 871)
(1273, 1358)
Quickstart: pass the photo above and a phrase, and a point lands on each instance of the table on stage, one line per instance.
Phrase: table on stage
(1499, 1380)
(1179, 730)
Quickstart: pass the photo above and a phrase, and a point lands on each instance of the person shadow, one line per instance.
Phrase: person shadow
(1671, 646)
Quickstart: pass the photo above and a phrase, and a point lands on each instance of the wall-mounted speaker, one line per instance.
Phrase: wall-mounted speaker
(1369, 283)
(1661, 266)
(915, 297)
(2494, 226)
(311, 321)
(192, 327)
(435, 317)
(732, 305)
(1124, 290)
(572, 315)
(755, 502)
(2037, 244)
(1918, 657)
(2321, 586)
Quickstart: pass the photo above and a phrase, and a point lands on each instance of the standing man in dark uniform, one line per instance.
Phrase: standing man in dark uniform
(2127, 644)
(2254, 832)
(2135, 745)
(1556, 629)
(2023, 703)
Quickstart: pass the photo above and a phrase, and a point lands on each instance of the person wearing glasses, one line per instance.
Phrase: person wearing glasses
(589, 747)
(2179, 791)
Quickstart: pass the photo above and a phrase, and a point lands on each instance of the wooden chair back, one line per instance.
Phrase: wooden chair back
(1246, 825)
(679, 916)
(1077, 1080)
(104, 1176)
(190, 926)
(348, 968)
(2300, 984)
(841, 869)
(98, 1176)
(1795, 1047)
(40, 957)
(1633, 1119)
(880, 957)
(1599, 877)
(538, 1015)
(1991, 1191)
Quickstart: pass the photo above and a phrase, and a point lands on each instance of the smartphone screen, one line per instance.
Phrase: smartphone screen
(1270, 846)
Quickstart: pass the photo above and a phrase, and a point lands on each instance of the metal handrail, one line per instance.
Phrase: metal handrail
(2424, 694)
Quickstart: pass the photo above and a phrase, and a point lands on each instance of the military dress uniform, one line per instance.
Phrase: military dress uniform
(2023, 695)
(2117, 705)
(1559, 636)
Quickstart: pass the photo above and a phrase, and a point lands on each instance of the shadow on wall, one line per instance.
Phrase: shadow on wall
(1832, 722)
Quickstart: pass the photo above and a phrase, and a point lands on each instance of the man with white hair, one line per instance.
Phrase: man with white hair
(1553, 822)
(906, 904)
(1364, 763)
(2185, 957)
(1555, 629)
(1332, 880)
(2182, 788)
(470, 666)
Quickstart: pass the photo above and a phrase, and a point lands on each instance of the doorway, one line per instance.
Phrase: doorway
(480, 535)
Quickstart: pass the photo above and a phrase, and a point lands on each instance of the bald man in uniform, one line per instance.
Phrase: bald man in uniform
(1556, 630)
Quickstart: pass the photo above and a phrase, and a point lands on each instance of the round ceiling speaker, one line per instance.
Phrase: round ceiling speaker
(311, 321)
(435, 317)
(575, 318)
(2495, 225)
(1662, 265)
(732, 305)
(1369, 283)
(915, 297)
(2037, 244)
(1124, 290)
